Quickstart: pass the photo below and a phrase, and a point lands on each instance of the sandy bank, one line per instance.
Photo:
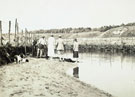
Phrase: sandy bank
(43, 78)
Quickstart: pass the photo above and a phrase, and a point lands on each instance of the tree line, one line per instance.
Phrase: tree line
(64, 30)
(82, 29)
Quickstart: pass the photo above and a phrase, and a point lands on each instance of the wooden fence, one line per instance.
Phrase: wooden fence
(17, 38)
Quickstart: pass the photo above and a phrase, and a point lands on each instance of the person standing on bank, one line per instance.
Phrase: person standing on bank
(51, 46)
(41, 42)
(60, 48)
(34, 48)
(45, 48)
(75, 50)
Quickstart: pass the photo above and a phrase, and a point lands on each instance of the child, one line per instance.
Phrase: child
(75, 50)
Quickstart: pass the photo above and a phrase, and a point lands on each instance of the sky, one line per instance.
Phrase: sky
(55, 14)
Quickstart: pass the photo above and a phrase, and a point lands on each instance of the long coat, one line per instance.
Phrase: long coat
(51, 46)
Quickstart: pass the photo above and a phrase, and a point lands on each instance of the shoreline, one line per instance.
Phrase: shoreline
(44, 78)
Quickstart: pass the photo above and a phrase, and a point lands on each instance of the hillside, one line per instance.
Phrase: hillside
(124, 31)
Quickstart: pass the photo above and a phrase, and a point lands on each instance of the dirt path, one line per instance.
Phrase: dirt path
(43, 78)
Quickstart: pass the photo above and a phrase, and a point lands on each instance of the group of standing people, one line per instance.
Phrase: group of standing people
(47, 47)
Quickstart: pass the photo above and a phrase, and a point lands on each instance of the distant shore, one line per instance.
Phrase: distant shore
(43, 78)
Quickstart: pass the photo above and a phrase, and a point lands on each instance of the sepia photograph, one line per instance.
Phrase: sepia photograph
(67, 48)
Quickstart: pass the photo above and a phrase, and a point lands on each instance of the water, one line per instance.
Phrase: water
(113, 73)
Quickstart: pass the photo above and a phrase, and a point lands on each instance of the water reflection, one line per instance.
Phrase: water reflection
(76, 72)
(114, 73)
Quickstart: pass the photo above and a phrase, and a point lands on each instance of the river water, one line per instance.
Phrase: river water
(113, 73)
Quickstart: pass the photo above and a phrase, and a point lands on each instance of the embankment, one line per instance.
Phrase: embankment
(114, 45)
(43, 78)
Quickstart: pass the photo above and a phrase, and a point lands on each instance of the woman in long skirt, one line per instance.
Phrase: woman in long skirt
(60, 48)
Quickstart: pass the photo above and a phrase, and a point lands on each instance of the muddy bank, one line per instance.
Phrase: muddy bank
(43, 78)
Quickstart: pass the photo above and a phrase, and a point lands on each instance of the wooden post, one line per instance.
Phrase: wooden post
(9, 30)
(15, 28)
(22, 34)
(22, 37)
(132, 41)
(1, 33)
(29, 38)
(25, 40)
(17, 33)
(38, 34)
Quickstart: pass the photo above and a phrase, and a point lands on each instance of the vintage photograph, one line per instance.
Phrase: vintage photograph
(67, 48)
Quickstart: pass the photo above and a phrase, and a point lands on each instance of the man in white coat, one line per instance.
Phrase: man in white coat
(51, 46)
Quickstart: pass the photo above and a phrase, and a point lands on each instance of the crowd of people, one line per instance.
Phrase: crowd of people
(46, 48)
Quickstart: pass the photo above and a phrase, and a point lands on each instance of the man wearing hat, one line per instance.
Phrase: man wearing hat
(41, 43)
